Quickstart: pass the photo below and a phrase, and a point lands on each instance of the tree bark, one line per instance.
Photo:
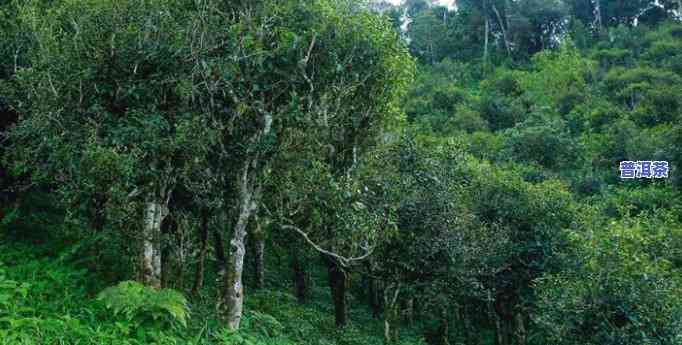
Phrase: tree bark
(155, 212)
(248, 196)
(597, 15)
(203, 249)
(520, 331)
(392, 315)
(234, 286)
(337, 285)
(507, 44)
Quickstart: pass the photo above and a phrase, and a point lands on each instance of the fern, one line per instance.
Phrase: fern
(227, 337)
(140, 304)
(10, 291)
(264, 324)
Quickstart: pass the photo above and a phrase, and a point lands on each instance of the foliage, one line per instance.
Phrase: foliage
(139, 304)
(619, 289)
(478, 203)
(542, 140)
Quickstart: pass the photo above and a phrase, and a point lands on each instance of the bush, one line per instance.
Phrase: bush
(620, 286)
(142, 305)
(544, 141)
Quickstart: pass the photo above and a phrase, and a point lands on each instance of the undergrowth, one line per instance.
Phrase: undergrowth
(46, 299)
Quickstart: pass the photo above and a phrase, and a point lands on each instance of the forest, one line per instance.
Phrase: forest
(340, 172)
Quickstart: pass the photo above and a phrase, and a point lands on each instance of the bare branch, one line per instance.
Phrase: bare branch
(343, 261)
(310, 50)
(134, 193)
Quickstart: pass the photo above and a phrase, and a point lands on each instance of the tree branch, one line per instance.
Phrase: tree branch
(343, 261)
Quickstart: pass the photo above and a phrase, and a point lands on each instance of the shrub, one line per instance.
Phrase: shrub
(141, 305)
(620, 286)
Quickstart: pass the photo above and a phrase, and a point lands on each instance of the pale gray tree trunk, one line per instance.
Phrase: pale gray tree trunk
(155, 212)
(392, 315)
(248, 206)
(234, 287)
(597, 14)
(507, 44)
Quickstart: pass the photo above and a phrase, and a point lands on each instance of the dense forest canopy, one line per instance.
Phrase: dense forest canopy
(340, 172)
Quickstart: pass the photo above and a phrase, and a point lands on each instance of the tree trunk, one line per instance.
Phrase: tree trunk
(597, 15)
(507, 44)
(520, 331)
(234, 286)
(155, 212)
(248, 206)
(392, 315)
(337, 285)
(199, 274)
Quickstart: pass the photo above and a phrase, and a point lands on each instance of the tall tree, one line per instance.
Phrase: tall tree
(109, 112)
(281, 77)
